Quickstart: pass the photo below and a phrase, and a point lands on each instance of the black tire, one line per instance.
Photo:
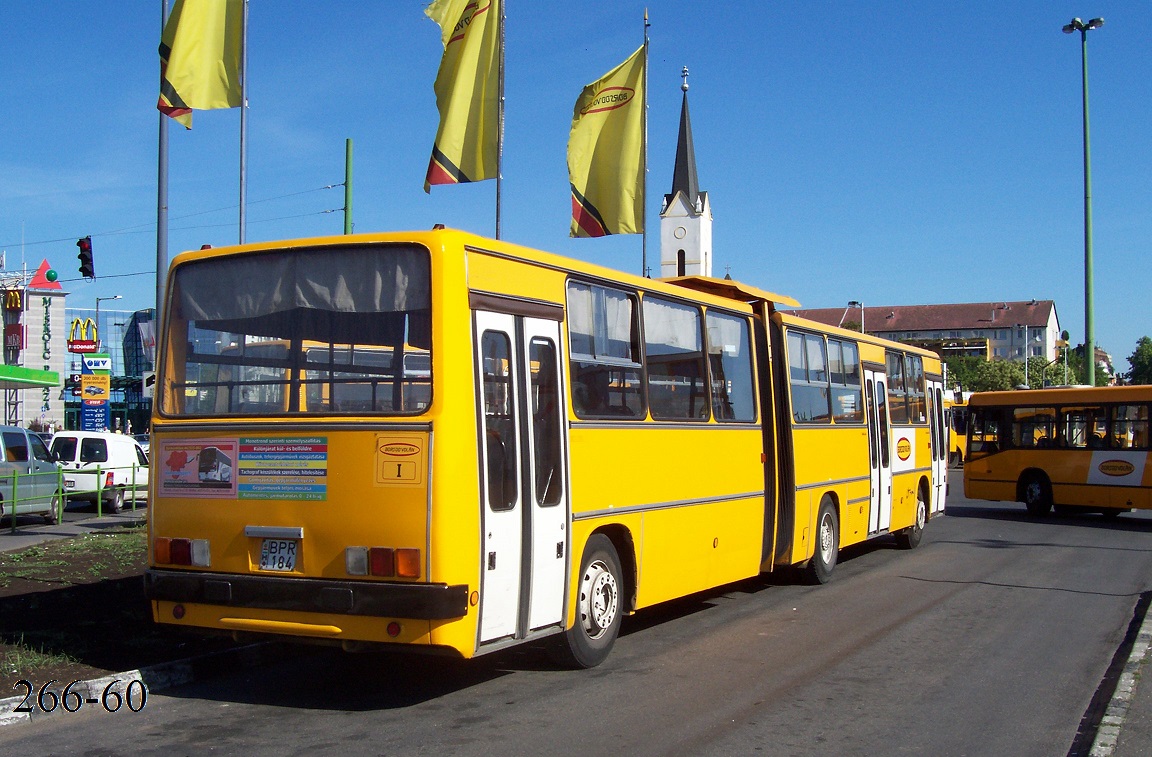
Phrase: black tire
(53, 517)
(1036, 493)
(115, 500)
(909, 538)
(1112, 513)
(819, 570)
(599, 606)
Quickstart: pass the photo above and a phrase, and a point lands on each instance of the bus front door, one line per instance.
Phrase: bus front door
(524, 489)
(879, 452)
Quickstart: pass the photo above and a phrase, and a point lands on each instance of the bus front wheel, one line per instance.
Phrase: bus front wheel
(827, 544)
(1036, 493)
(599, 606)
(910, 537)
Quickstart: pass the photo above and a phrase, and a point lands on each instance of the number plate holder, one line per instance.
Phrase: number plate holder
(279, 554)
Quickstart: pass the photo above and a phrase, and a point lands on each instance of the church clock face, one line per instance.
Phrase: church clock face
(680, 232)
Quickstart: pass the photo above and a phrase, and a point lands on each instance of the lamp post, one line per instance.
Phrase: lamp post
(1025, 327)
(1076, 25)
(854, 304)
(99, 338)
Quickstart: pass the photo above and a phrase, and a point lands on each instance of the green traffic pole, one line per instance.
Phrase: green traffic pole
(348, 186)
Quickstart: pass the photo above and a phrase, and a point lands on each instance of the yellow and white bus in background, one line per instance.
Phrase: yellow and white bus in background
(1073, 448)
(435, 440)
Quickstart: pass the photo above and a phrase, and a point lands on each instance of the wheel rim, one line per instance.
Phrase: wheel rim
(1032, 492)
(827, 539)
(599, 599)
(921, 511)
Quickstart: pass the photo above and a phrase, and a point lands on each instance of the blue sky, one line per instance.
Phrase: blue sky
(889, 152)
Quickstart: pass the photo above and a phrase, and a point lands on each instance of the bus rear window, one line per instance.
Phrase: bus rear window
(304, 331)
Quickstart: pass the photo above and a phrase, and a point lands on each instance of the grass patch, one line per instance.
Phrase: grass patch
(19, 657)
(79, 560)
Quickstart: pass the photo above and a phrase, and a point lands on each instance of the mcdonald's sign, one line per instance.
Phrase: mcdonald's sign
(86, 329)
(13, 299)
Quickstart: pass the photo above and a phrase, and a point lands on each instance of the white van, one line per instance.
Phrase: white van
(24, 457)
(118, 460)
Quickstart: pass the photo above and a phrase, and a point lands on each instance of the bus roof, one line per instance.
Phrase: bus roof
(440, 238)
(1063, 396)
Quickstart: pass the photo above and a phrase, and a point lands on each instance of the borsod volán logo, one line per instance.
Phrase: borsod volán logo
(609, 98)
(398, 449)
(903, 449)
(1116, 467)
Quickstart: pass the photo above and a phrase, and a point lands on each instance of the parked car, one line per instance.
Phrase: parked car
(119, 461)
(27, 465)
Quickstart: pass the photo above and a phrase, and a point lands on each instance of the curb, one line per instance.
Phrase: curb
(1108, 734)
(114, 691)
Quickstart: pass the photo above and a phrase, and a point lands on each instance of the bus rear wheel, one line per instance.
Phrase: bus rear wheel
(910, 537)
(1036, 493)
(827, 544)
(599, 606)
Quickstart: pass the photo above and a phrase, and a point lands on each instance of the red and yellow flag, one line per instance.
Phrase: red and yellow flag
(467, 92)
(200, 57)
(606, 153)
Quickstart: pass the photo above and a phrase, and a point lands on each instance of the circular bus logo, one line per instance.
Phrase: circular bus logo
(398, 449)
(903, 449)
(1116, 467)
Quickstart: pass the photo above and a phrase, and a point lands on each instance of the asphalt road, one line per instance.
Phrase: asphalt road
(990, 638)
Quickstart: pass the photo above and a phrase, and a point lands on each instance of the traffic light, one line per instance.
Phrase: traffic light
(87, 269)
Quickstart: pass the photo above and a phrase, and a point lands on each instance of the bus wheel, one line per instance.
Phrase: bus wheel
(1037, 494)
(827, 544)
(599, 606)
(909, 538)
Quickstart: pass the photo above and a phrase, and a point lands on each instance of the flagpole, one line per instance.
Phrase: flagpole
(244, 125)
(644, 158)
(500, 122)
(162, 192)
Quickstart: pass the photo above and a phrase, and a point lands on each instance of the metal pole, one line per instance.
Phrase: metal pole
(162, 194)
(500, 121)
(348, 186)
(1089, 319)
(644, 158)
(244, 126)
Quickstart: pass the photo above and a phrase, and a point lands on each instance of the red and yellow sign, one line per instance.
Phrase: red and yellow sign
(88, 340)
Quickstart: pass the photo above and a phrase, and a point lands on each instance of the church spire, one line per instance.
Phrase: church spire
(684, 174)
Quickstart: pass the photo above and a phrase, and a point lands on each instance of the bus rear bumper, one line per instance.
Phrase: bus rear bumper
(385, 600)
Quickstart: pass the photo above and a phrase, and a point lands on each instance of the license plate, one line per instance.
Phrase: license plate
(279, 554)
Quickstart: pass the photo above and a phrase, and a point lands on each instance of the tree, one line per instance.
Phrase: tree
(1141, 362)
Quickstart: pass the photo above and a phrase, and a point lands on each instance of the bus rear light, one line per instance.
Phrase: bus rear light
(393, 629)
(162, 550)
(356, 561)
(408, 563)
(193, 552)
(382, 561)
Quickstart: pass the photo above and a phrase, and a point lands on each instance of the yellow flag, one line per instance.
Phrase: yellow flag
(467, 91)
(200, 57)
(606, 153)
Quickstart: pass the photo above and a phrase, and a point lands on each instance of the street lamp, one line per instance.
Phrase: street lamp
(1076, 25)
(1025, 327)
(99, 338)
(853, 304)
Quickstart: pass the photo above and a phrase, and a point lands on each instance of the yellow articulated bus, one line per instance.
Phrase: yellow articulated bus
(439, 441)
(1072, 448)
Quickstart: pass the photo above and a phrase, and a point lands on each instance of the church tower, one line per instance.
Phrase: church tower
(686, 218)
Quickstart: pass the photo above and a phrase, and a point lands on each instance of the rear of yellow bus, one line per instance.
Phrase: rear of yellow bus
(293, 445)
